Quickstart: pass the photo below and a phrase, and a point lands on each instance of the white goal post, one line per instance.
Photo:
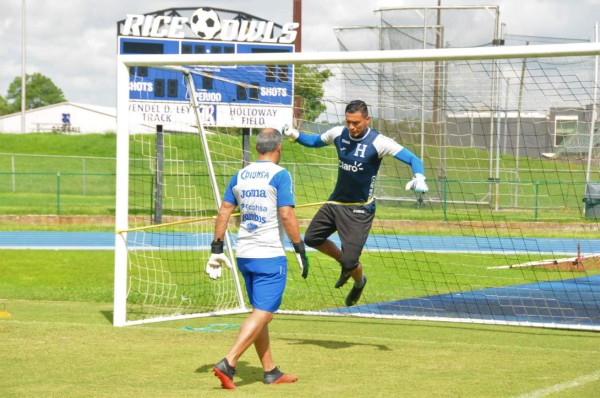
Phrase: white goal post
(487, 181)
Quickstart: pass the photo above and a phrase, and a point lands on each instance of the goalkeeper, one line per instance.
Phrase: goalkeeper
(351, 207)
(264, 193)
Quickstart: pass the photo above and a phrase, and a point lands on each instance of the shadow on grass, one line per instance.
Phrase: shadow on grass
(245, 374)
(108, 315)
(334, 345)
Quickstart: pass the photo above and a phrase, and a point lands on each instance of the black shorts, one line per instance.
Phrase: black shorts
(352, 224)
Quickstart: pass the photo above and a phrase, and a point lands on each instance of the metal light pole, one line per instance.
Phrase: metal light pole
(594, 113)
(23, 69)
(297, 17)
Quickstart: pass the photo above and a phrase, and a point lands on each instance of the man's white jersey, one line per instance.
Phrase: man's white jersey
(259, 190)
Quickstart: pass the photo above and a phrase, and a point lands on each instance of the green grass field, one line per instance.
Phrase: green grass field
(72, 175)
(59, 341)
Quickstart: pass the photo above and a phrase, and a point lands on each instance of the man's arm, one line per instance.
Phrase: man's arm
(217, 257)
(285, 204)
(292, 229)
(416, 164)
(417, 183)
(308, 140)
(290, 223)
(225, 212)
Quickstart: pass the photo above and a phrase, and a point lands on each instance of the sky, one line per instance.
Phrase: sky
(73, 42)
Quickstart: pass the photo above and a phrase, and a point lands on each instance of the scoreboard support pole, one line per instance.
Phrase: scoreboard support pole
(245, 146)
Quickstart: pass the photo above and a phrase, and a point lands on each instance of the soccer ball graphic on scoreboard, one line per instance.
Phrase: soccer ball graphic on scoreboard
(205, 23)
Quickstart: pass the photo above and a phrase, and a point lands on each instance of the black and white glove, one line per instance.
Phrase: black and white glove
(217, 259)
(302, 258)
(417, 184)
(290, 132)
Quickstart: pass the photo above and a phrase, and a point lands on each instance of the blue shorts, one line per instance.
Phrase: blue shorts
(265, 281)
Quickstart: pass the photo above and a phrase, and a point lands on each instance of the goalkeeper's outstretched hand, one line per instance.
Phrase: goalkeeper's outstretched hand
(290, 132)
(417, 184)
(214, 265)
(302, 258)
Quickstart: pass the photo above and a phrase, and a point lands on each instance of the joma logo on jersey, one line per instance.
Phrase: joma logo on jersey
(253, 193)
(350, 167)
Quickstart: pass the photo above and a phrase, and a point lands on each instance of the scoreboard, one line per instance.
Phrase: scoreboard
(245, 96)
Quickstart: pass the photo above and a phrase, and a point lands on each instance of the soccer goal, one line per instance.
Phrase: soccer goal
(502, 237)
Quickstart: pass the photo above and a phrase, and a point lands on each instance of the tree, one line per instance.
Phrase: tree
(309, 88)
(4, 107)
(39, 91)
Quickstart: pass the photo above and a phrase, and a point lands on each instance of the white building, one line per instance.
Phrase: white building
(65, 117)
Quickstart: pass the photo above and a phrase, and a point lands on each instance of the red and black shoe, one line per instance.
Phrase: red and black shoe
(225, 373)
(276, 376)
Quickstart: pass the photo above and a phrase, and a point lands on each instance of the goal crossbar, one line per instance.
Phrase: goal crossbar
(442, 54)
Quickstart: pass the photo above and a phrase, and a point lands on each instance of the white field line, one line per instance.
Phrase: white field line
(577, 382)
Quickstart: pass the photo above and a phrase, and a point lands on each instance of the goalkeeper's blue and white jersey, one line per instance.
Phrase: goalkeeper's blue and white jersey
(259, 190)
(359, 159)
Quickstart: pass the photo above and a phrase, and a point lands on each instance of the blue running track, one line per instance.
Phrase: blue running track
(441, 244)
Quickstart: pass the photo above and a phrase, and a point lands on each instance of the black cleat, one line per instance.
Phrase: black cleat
(225, 373)
(344, 276)
(355, 293)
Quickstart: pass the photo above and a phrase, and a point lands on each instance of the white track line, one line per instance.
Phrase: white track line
(577, 382)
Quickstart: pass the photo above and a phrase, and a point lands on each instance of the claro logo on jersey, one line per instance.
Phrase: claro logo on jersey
(350, 167)
(206, 24)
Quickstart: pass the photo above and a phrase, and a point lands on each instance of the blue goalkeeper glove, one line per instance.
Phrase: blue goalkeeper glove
(302, 258)
(417, 184)
(217, 259)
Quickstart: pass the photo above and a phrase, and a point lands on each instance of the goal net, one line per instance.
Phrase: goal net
(507, 233)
